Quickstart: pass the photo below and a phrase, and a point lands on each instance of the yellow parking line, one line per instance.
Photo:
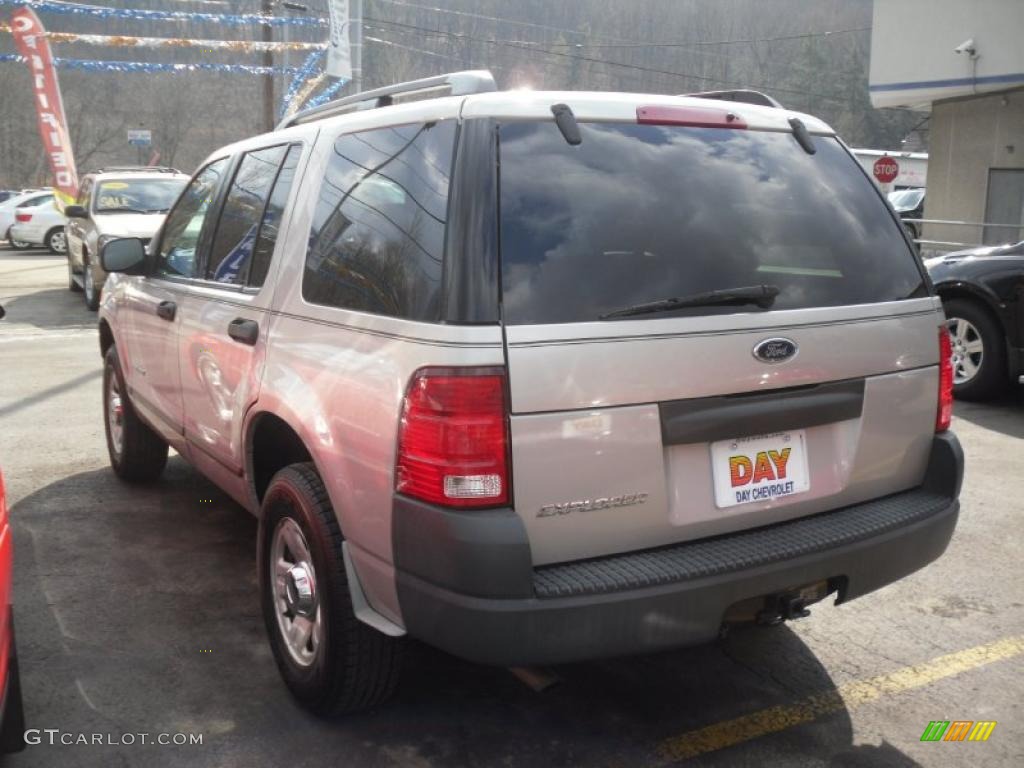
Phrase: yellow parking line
(848, 696)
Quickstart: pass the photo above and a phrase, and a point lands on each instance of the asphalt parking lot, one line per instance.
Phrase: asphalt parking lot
(137, 612)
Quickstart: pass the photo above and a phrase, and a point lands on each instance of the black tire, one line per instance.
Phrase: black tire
(52, 241)
(72, 285)
(355, 667)
(12, 730)
(92, 293)
(991, 377)
(143, 453)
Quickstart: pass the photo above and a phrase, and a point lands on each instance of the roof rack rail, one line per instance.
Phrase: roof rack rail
(742, 95)
(456, 83)
(136, 169)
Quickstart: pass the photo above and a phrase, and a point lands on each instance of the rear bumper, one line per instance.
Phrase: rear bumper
(482, 605)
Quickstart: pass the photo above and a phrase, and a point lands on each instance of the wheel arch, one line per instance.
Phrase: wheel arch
(271, 444)
(975, 294)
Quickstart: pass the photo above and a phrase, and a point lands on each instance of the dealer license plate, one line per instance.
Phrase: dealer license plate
(759, 468)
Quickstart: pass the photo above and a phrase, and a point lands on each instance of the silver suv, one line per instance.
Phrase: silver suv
(125, 201)
(538, 377)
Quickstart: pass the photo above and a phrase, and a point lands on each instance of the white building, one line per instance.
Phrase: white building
(964, 61)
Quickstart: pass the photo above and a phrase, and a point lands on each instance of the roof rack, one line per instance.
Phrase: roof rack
(136, 169)
(456, 83)
(742, 95)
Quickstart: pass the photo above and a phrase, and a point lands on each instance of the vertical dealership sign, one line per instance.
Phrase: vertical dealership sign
(339, 53)
(30, 38)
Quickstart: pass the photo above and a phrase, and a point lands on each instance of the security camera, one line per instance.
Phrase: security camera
(967, 46)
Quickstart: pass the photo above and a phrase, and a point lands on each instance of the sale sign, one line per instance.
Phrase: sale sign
(30, 38)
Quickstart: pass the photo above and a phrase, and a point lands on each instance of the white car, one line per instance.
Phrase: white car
(9, 207)
(40, 224)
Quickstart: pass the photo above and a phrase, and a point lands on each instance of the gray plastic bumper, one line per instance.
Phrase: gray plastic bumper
(489, 607)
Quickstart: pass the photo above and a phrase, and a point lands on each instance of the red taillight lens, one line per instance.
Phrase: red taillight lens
(945, 412)
(23, 216)
(453, 440)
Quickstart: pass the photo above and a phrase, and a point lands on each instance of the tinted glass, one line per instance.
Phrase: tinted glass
(378, 230)
(180, 239)
(240, 218)
(906, 199)
(639, 213)
(270, 226)
(137, 195)
(32, 202)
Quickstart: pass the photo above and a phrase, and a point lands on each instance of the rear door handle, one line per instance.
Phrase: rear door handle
(167, 310)
(245, 331)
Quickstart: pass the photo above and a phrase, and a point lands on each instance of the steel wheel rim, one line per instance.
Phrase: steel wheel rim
(115, 414)
(298, 613)
(59, 242)
(968, 349)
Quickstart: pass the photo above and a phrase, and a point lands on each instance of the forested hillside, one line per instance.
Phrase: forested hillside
(812, 55)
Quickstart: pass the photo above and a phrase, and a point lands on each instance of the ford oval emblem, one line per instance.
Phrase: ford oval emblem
(777, 350)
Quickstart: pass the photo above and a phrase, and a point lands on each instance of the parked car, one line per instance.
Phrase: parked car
(588, 408)
(909, 204)
(114, 202)
(7, 194)
(982, 290)
(42, 225)
(12, 714)
(9, 209)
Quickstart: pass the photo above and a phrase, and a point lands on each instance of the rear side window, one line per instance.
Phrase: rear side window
(240, 218)
(378, 232)
(640, 213)
(271, 224)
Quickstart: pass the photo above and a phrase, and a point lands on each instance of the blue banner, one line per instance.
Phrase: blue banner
(49, 6)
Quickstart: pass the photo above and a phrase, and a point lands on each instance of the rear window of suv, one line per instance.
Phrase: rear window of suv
(641, 213)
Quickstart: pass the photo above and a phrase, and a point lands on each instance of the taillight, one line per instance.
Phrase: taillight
(945, 413)
(23, 216)
(453, 439)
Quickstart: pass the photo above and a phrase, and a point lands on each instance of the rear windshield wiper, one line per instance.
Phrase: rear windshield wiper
(761, 295)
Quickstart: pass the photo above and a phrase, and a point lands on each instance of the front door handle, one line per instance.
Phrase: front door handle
(167, 310)
(245, 331)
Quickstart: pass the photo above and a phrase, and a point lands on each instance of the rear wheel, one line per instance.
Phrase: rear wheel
(137, 453)
(330, 661)
(16, 245)
(92, 295)
(979, 350)
(57, 241)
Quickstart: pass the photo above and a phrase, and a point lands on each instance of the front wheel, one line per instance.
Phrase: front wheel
(57, 241)
(979, 350)
(137, 453)
(92, 295)
(330, 661)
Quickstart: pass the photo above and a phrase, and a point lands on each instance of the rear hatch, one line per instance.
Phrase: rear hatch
(809, 384)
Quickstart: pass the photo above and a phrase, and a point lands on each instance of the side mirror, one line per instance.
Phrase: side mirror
(76, 212)
(126, 255)
(2, 312)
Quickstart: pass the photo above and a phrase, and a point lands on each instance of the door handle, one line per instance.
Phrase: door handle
(167, 310)
(245, 331)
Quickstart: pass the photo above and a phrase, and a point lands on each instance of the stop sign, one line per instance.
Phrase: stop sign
(886, 169)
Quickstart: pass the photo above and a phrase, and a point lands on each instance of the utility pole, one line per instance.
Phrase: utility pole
(356, 42)
(268, 61)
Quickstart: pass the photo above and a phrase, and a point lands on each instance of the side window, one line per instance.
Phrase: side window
(377, 240)
(240, 217)
(271, 223)
(32, 202)
(177, 255)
